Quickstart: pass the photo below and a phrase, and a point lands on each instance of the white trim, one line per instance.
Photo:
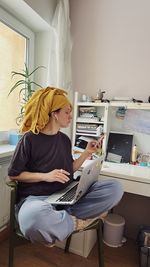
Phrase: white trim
(26, 14)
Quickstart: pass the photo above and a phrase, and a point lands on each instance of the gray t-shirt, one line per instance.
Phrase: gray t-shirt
(41, 153)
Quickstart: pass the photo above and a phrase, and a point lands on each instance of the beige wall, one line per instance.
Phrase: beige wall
(111, 40)
(111, 50)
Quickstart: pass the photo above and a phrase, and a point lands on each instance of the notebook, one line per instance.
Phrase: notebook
(75, 190)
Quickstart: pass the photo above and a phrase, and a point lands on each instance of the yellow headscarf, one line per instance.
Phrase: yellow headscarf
(40, 105)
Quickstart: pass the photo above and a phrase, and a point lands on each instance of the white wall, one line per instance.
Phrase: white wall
(111, 40)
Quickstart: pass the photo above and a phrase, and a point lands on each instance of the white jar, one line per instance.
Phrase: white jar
(84, 98)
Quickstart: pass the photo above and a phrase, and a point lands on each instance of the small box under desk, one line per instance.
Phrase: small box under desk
(81, 243)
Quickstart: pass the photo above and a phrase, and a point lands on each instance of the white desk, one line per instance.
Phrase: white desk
(135, 179)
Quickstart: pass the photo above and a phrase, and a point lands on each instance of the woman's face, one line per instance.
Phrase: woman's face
(64, 116)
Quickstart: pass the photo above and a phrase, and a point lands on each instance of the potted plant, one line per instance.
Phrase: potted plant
(25, 88)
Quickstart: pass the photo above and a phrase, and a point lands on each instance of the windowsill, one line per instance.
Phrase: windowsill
(6, 150)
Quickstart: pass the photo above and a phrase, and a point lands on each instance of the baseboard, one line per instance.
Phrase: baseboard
(4, 234)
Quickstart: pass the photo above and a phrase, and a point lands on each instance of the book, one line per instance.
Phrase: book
(87, 119)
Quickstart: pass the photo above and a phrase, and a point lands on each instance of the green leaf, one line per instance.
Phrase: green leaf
(36, 70)
(26, 90)
(36, 84)
(18, 73)
(15, 86)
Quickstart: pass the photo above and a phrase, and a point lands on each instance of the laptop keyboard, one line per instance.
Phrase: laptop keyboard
(69, 195)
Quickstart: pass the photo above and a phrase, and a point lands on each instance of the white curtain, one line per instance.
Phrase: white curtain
(53, 50)
(59, 61)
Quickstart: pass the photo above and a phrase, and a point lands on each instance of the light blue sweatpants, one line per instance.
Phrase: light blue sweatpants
(41, 222)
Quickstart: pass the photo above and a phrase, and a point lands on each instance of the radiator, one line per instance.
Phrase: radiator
(4, 194)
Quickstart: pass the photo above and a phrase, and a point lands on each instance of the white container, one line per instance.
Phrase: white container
(113, 230)
(81, 243)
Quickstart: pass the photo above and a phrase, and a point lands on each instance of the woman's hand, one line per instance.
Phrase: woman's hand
(94, 146)
(57, 175)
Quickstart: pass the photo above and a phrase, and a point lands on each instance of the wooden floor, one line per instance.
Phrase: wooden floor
(40, 256)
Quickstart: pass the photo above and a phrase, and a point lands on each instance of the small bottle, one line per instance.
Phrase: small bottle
(134, 154)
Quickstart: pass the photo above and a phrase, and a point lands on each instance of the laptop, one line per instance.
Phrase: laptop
(75, 190)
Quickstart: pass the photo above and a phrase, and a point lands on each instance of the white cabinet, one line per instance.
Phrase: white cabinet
(89, 120)
(4, 193)
(105, 118)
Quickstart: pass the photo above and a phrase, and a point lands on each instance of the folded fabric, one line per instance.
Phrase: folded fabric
(39, 107)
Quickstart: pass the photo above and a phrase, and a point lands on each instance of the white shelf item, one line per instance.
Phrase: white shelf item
(87, 126)
(88, 134)
(90, 130)
(87, 111)
(122, 98)
(89, 120)
(130, 105)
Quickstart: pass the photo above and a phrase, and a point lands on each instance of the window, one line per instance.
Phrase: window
(16, 48)
(12, 57)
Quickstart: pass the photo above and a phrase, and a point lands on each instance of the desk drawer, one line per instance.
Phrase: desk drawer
(133, 187)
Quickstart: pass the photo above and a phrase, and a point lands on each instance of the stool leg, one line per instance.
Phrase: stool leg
(67, 244)
(100, 245)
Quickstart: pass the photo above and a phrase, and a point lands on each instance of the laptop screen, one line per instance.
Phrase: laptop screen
(119, 147)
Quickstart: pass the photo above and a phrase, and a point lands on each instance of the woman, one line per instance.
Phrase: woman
(43, 164)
